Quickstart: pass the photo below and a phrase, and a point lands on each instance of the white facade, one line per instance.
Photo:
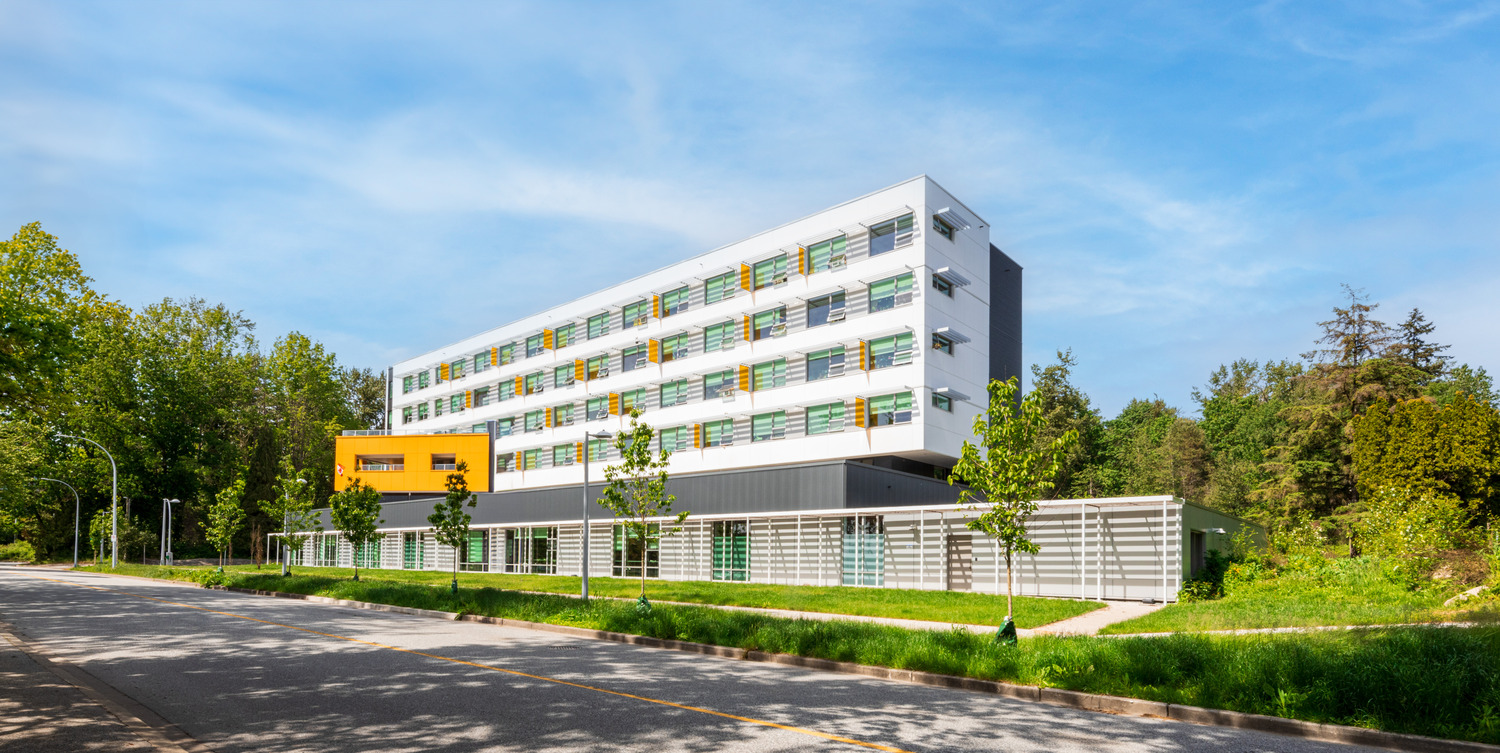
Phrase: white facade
(946, 252)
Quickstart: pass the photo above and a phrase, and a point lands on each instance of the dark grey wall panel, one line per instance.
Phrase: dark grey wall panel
(1005, 316)
(788, 488)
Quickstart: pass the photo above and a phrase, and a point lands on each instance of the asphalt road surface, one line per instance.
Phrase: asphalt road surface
(246, 673)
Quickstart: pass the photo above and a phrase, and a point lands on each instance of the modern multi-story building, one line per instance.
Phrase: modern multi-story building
(810, 381)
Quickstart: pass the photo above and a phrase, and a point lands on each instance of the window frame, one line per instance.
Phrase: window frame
(827, 309)
(676, 301)
(942, 402)
(640, 319)
(834, 413)
(724, 436)
(942, 343)
(640, 354)
(838, 352)
(759, 432)
(603, 329)
(906, 223)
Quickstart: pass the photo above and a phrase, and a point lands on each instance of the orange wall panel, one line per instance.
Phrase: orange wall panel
(417, 451)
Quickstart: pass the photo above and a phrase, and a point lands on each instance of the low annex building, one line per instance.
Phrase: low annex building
(814, 383)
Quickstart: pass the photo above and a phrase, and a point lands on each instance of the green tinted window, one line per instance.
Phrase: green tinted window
(819, 254)
(674, 301)
(598, 326)
(718, 336)
(719, 288)
(822, 419)
(768, 426)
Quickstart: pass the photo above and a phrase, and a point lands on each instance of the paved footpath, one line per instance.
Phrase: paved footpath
(246, 673)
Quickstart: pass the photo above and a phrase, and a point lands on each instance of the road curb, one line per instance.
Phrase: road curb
(1105, 704)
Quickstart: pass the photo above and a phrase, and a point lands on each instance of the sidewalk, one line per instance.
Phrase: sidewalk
(42, 713)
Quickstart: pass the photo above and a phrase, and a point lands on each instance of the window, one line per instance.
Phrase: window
(823, 364)
(768, 324)
(718, 337)
(864, 550)
(769, 272)
(598, 325)
(481, 362)
(529, 459)
(562, 455)
(731, 557)
(562, 376)
(407, 384)
(422, 412)
(368, 555)
(533, 383)
(718, 433)
(448, 462)
(598, 366)
(822, 419)
(942, 285)
(406, 415)
(328, 551)
(504, 426)
(534, 345)
(632, 399)
(890, 409)
(719, 288)
(437, 407)
(820, 255)
(630, 553)
(674, 301)
(562, 415)
(475, 556)
(456, 369)
(596, 408)
(505, 462)
(768, 375)
(633, 358)
(888, 235)
(942, 344)
(674, 393)
(674, 439)
(598, 449)
(536, 420)
(890, 292)
(481, 397)
(942, 402)
(505, 390)
(768, 426)
(507, 353)
(718, 385)
(890, 351)
(562, 337)
(412, 552)
(829, 308)
(942, 228)
(531, 550)
(635, 314)
(674, 347)
(422, 380)
(456, 402)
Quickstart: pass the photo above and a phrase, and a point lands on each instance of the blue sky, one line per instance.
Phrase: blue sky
(1184, 184)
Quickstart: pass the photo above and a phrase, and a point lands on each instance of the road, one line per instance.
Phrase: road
(246, 673)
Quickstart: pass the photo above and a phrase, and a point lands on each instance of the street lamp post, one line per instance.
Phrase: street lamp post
(585, 569)
(114, 502)
(77, 506)
(166, 530)
(286, 551)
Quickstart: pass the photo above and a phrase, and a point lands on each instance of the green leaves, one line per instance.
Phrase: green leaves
(449, 521)
(355, 513)
(637, 489)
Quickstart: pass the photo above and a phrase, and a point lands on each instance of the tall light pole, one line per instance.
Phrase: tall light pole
(286, 551)
(166, 530)
(114, 502)
(586, 436)
(76, 508)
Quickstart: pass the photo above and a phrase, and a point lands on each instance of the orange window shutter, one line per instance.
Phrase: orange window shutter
(653, 351)
(547, 339)
(745, 276)
(549, 417)
(580, 452)
(518, 459)
(859, 412)
(468, 398)
(494, 356)
(656, 306)
(862, 356)
(697, 435)
(614, 403)
(747, 328)
(443, 372)
(802, 261)
(744, 378)
(579, 372)
(520, 385)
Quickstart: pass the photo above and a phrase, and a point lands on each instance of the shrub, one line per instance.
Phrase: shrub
(17, 551)
(1413, 527)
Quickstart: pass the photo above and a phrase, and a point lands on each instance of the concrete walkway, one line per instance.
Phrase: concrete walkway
(1091, 623)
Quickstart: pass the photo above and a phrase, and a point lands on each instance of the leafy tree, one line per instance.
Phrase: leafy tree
(1422, 447)
(1411, 347)
(135, 533)
(366, 395)
(636, 489)
(44, 296)
(355, 512)
(20, 456)
(450, 524)
(1414, 525)
(1008, 472)
(1066, 408)
(304, 389)
(293, 509)
(225, 518)
(1241, 422)
(1464, 380)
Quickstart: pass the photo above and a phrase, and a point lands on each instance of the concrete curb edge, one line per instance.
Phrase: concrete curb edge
(1106, 704)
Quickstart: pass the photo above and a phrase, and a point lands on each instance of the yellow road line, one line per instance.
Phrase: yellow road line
(554, 680)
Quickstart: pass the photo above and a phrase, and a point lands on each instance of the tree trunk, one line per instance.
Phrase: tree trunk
(1010, 589)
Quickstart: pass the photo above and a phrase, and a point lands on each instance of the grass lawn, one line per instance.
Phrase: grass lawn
(1439, 682)
(1359, 596)
(940, 606)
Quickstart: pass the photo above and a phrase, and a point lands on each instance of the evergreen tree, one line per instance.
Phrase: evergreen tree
(1066, 408)
(1411, 347)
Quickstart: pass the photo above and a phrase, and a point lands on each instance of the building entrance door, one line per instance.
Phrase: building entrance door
(960, 562)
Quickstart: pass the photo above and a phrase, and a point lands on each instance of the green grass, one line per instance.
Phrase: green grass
(1350, 593)
(1439, 682)
(941, 606)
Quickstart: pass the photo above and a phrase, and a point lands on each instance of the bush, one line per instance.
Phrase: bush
(1414, 526)
(17, 551)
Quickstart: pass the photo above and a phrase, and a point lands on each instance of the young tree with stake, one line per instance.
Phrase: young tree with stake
(225, 518)
(449, 522)
(294, 505)
(1012, 473)
(637, 491)
(355, 513)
